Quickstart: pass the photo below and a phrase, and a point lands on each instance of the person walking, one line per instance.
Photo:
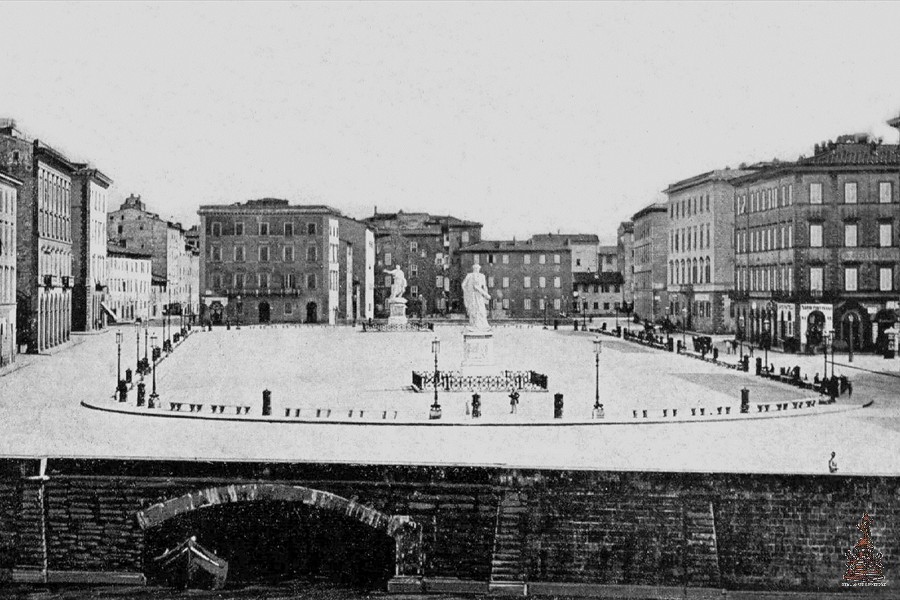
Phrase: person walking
(849, 389)
(832, 464)
(513, 402)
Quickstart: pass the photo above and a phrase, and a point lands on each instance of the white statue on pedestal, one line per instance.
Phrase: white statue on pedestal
(398, 284)
(476, 298)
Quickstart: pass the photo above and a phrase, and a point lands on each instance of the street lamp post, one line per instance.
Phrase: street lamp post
(767, 325)
(827, 336)
(119, 360)
(545, 310)
(154, 397)
(435, 412)
(146, 338)
(137, 344)
(598, 348)
(741, 335)
(575, 308)
(683, 326)
(850, 322)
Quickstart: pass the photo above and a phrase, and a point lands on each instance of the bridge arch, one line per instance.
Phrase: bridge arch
(407, 534)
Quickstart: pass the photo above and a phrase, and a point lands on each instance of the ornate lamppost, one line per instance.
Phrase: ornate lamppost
(154, 397)
(827, 337)
(683, 327)
(137, 344)
(851, 320)
(119, 360)
(435, 412)
(598, 408)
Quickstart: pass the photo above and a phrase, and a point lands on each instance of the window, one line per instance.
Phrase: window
(850, 192)
(476, 259)
(850, 235)
(556, 282)
(288, 308)
(505, 282)
(850, 279)
(527, 303)
(387, 259)
(216, 229)
(239, 254)
(505, 259)
(464, 237)
(885, 192)
(490, 259)
(439, 259)
(413, 291)
(542, 303)
(885, 234)
(262, 280)
(263, 229)
(577, 262)
(815, 279)
(506, 304)
(556, 259)
(542, 259)
(311, 282)
(439, 282)
(288, 231)
(312, 253)
(413, 270)
(387, 280)
(217, 281)
(542, 282)
(239, 280)
(815, 193)
(556, 303)
(239, 228)
(885, 279)
(288, 254)
(288, 281)
(216, 253)
(527, 259)
(815, 235)
(310, 229)
(413, 247)
(527, 282)
(263, 254)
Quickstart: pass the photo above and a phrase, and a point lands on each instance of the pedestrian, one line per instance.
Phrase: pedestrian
(849, 389)
(832, 464)
(513, 402)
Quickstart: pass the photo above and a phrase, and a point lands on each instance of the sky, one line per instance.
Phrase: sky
(529, 118)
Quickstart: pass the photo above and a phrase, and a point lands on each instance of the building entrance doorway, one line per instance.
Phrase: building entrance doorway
(265, 312)
(312, 312)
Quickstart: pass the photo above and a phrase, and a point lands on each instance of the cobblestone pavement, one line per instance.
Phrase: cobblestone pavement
(339, 367)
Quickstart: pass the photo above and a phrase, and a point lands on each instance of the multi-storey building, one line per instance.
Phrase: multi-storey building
(608, 259)
(597, 293)
(625, 259)
(816, 246)
(268, 261)
(128, 273)
(89, 205)
(701, 252)
(43, 238)
(134, 227)
(584, 248)
(9, 190)
(650, 237)
(427, 248)
(526, 279)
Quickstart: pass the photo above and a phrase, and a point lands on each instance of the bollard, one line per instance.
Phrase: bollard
(599, 413)
(745, 400)
(122, 388)
(476, 406)
(557, 406)
(141, 393)
(127, 375)
(267, 403)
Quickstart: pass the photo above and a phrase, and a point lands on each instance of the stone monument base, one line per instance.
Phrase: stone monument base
(478, 353)
(397, 307)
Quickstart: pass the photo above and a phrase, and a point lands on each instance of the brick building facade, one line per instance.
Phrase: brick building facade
(701, 251)
(597, 293)
(43, 240)
(427, 248)
(267, 261)
(526, 279)
(650, 254)
(9, 190)
(817, 246)
(584, 248)
(89, 205)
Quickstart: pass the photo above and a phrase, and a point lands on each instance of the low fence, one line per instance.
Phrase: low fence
(455, 381)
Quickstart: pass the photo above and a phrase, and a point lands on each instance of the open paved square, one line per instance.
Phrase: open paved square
(345, 370)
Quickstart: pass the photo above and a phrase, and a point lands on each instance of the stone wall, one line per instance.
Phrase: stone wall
(586, 528)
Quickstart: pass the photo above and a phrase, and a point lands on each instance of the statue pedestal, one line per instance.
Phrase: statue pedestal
(397, 307)
(478, 353)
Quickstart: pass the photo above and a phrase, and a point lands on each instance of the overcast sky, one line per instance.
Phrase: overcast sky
(526, 117)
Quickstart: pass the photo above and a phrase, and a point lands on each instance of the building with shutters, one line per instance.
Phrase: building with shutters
(650, 251)
(526, 279)
(9, 190)
(816, 247)
(129, 280)
(427, 247)
(89, 207)
(267, 261)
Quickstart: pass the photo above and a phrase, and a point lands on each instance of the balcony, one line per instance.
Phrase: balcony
(66, 282)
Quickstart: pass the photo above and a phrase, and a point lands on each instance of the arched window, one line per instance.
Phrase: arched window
(708, 270)
(694, 271)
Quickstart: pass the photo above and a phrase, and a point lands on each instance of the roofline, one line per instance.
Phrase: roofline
(655, 207)
(94, 173)
(207, 209)
(10, 180)
(40, 148)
